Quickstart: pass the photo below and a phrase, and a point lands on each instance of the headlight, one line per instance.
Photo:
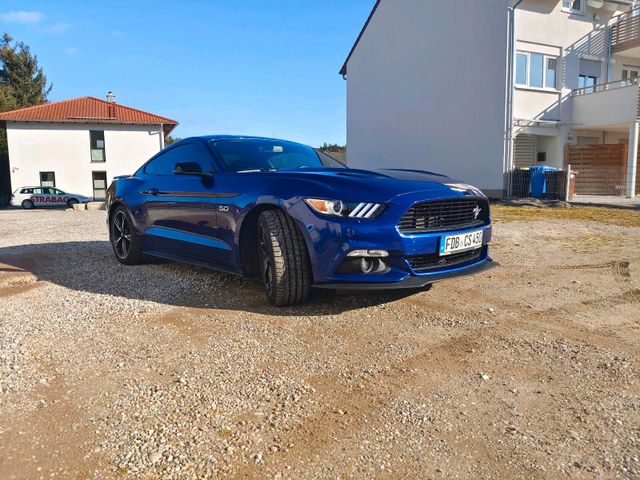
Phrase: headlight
(339, 208)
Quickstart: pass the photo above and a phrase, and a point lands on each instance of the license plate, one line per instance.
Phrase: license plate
(461, 242)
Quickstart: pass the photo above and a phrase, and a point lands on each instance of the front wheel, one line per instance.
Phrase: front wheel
(124, 239)
(284, 260)
(71, 202)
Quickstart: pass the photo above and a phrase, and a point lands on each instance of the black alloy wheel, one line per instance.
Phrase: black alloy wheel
(123, 238)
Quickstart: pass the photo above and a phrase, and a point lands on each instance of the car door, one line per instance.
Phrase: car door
(38, 197)
(53, 198)
(179, 203)
(63, 198)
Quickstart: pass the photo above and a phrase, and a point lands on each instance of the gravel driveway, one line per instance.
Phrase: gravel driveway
(168, 371)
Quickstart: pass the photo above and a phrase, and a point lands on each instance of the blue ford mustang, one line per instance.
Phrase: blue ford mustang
(297, 218)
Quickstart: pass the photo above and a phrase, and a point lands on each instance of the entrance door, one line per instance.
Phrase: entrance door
(99, 185)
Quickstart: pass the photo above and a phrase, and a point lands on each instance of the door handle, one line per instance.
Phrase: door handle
(151, 191)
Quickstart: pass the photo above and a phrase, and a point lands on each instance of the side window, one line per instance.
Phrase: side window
(27, 191)
(97, 145)
(37, 191)
(48, 191)
(189, 153)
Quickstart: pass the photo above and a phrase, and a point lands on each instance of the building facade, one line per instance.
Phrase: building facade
(79, 145)
(478, 89)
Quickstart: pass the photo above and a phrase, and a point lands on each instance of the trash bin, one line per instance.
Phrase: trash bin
(539, 180)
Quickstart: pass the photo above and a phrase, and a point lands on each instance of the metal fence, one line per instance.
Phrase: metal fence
(559, 184)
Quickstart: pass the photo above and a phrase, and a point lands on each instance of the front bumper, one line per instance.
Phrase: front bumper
(413, 259)
(413, 281)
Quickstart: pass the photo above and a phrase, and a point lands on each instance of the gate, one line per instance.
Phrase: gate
(600, 169)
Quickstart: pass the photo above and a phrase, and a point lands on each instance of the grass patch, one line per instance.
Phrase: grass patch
(612, 216)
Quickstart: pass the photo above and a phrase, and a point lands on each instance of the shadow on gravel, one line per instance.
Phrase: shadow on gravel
(91, 267)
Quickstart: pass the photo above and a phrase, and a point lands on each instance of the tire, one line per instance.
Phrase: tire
(71, 202)
(27, 204)
(284, 260)
(123, 237)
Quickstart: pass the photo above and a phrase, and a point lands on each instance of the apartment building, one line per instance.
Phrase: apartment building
(478, 89)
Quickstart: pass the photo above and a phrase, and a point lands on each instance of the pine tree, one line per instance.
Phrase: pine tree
(22, 81)
(22, 84)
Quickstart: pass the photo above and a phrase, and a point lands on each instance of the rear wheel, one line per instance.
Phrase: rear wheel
(124, 239)
(284, 260)
(27, 204)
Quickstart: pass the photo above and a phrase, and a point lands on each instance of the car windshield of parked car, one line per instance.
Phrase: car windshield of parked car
(241, 155)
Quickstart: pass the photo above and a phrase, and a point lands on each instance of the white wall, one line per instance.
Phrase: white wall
(426, 89)
(65, 150)
(621, 107)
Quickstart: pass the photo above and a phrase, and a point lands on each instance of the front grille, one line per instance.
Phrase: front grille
(450, 214)
(433, 261)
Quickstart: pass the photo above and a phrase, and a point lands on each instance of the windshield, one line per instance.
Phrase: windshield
(240, 154)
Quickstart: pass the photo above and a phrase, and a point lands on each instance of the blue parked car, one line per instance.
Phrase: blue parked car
(297, 217)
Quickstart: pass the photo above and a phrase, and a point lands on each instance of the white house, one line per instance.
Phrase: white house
(476, 89)
(79, 145)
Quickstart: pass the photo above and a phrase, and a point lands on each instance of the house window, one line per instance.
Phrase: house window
(99, 185)
(630, 74)
(587, 82)
(573, 6)
(536, 70)
(589, 74)
(47, 179)
(551, 69)
(97, 145)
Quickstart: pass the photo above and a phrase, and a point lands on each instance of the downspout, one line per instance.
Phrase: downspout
(511, 55)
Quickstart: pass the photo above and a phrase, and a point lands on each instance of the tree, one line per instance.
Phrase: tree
(332, 147)
(22, 84)
(21, 78)
(169, 140)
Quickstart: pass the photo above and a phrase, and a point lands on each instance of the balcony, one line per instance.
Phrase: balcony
(606, 104)
(625, 33)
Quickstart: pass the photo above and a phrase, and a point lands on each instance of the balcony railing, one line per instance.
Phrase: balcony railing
(603, 87)
(625, 33)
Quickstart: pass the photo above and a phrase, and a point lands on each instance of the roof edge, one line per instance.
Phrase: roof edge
(343, 70)
(166, 120)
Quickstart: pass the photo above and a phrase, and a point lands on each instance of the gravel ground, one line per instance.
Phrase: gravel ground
(169, 371)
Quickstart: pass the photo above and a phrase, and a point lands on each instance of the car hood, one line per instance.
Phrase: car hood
(370, 185)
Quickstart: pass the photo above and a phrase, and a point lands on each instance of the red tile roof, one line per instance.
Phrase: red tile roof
(87, 110)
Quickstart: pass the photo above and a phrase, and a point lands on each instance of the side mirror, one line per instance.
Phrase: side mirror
(190, 168)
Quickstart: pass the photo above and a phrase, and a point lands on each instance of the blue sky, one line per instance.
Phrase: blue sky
(261, 67)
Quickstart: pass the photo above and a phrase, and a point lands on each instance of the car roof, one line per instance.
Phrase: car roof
(209, 138)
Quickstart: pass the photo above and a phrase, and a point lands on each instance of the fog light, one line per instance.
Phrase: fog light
(366, 264)
(368, 253)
